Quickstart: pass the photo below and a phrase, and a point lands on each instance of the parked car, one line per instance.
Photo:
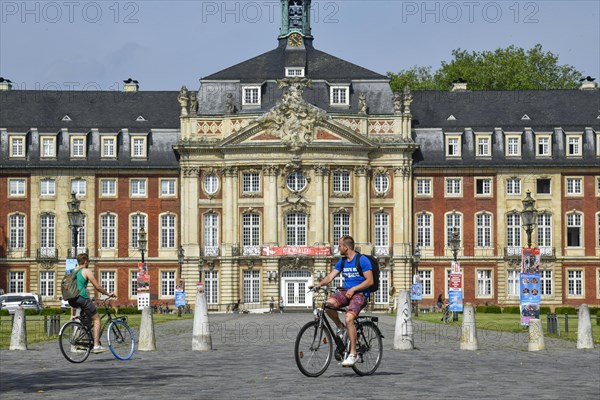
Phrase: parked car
(31, 304)
(11, 301)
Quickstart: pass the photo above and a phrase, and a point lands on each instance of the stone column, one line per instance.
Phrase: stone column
(189, 191)
(235, 215)
(320, 172)
(362, 212)
(326, 217)
(399, 210)
(227, 216)
(271, 221)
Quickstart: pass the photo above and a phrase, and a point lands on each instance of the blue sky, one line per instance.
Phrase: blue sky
(165, 44)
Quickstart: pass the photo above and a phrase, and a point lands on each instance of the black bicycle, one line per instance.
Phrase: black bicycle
(316, 340)
(76, 339)
(446, 314)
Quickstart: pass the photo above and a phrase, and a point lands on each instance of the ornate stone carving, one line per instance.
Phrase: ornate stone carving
(231, 172)
(341, 210)
(403, 171)
(296, 263)
(191, 172)
(322, 169)
(407, 99)
(397, 100)
(183, 101)
(229, 106)
(271, 170)
(194, 104)
(362, 170)
(362, 104)
(293, 119)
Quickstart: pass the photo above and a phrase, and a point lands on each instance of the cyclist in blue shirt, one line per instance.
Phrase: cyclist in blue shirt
(354, 295)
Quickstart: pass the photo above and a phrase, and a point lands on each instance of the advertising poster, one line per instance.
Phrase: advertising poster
(143, 278)
(529, 293)
(530, 261)
(179, 297)
(71, 264)
(417, 291)
(455, 300)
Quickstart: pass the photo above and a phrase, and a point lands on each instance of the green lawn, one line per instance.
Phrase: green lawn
(512, 323)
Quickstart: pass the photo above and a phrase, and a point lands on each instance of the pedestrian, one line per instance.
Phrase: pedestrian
(281, 304)
(440, 302)
(271, 305)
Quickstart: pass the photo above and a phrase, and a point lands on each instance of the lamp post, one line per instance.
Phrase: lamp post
(454, 242)
(142, 240)
(180, 259)
(529, 216)
(75, 220)
(416, 259)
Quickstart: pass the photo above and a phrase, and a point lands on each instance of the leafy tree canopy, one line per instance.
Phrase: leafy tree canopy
(511, 68)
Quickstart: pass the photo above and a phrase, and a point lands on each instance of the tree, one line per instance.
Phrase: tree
(511, 68)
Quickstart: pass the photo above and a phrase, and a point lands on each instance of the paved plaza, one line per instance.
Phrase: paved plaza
(253, 357)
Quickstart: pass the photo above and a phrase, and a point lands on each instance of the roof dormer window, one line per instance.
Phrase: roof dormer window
(251, 96)
(340, 95)
(294, 72)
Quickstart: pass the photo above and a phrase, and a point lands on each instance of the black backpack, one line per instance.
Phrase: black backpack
(374, 264)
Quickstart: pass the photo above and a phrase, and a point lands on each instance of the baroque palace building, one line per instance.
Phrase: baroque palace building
(259, 172)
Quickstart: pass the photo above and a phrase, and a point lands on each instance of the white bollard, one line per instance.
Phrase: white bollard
(404, 335)
(468, 337)
(585, 339)
(536, 335)
(201, 340)
(18, 338)
(147, 338)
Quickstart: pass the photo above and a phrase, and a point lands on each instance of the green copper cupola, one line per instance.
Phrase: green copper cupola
(295, 18)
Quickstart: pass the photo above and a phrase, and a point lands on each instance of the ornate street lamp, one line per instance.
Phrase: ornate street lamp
(529, 216)
(180, 259)
(75, 220)
(416, 259)
(142, 241)
(454, 242)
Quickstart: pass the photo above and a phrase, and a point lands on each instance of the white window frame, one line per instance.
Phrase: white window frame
(453, 186)
(339, 95)
(424, 187)
(453, 146)
(16, 282)
(168, 280)
(296, 229)
(17, 230)
(210, 183)
(425, 231)
(575, 140)
(78, 146)
(427, 282)
(250, 230)
(168, 231)
(513, 230)
(341, 181)
(485, 283)
(47, 283)
(537, 192)
(341, 227)
(108, 231)
(48, 233)
(575, 283)
(108, 280)
(574, 186)
(296, 181)
(210, 229)
(483, 142)
(453, 220)
(382, 295)
(547, 147)
(483, 230)
(47, 146)
(575, 220)
(211, 286)
(381, 229)
(47, 187)
(544, 230)
(138, 187)
(513, 186)
(294, 72)
(513, 145)
(137, 221)
(133, 283)
(251, 95)
(109, 147)
(80, 236)
(139, 147)
(251, 182)
(109, 182)
(251, 286)
(79, 186)
(171, 187)
(546, 282)
(512, 283)
(381, 183)
(487, 191)
(17, 187)
(21, 150)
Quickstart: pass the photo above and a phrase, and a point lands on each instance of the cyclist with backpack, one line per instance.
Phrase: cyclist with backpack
(83, 301)
(358, 280)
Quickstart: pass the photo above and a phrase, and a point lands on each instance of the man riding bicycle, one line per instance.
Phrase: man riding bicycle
(354, 295)
(83, 301)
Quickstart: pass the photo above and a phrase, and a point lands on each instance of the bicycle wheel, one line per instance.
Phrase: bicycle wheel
(447, 318)
(313, 349)
(121, 341)
(369, 347)
(75, 342)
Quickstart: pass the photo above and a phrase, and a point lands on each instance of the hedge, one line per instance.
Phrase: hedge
(594, 310)
(489, 309)
(53, 311)
(566, 310)
(511, 310)
(128, 311)
(544, 310)
(4, 313)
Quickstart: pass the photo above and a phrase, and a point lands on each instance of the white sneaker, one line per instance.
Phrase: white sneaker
(350, 360)
(98, 349)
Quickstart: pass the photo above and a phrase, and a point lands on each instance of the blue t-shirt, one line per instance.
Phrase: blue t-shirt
(351, 276)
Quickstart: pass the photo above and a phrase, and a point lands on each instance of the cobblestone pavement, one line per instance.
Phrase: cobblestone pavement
(253, 357)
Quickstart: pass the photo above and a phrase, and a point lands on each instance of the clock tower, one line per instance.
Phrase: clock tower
(295, 22)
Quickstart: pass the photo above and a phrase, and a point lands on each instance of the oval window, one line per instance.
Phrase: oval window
(382, 183)
(296, 181)
(211, 183)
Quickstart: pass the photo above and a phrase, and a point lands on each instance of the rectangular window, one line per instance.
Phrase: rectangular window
(453, 147)
(77, 147)
(575, 282)
(48, 147)
(167, 231)
(513, 186)
(453, 224)
(108, 280)
(138, 147)
(108, 187)
(296, 228)
(513, 146)
(424, 230)
(294, 72)
(339, 96)
(211, 286)
(546, 282)
(382, 229)
(543, 186)
(426, 281)
(108, 231)
(168, 187)
(512, 288)
(483, 147)
(17, 146)
(484, 282)
(47, 187)
(484, 230)
(382, 295)
(251, 96)
(513, 231)
(133, 284)
(453, 186)
(423, 187)
(341, 182)
(574, 230)
(250, 230)
(47, 283)
(17, 232)
(341, 225)
(16, 187)
(544, 232)
(573, 146)
(47, 235)
(483, 186)
(251, 287)
(251, 182)
(211, 234)
(80, 237)
(16, 281)
(79, 187)
(167, 283)
(138, 187)
(138, 221)
(109, 147)
(574, 186)
(543, 146)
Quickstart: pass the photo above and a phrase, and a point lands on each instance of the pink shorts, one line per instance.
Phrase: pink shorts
(355, 304)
